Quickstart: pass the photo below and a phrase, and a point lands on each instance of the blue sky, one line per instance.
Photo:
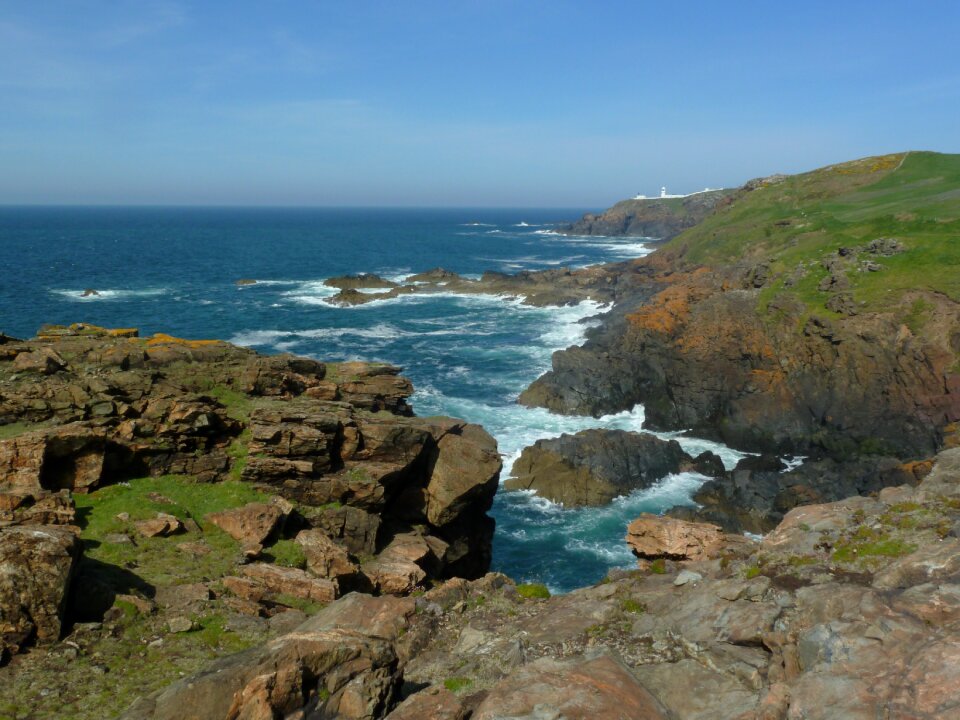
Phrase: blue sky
(483, 103)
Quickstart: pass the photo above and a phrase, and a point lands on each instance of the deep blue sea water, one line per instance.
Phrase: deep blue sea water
(175, 270)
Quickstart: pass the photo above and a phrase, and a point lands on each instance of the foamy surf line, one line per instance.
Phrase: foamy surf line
(117, 294)
(382, 331)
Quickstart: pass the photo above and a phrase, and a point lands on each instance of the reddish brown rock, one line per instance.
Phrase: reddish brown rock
(44, 360)
(291, 581)
(325, 557)
(465, 473)
(340, 663)
(599, 689)
(435, 703)
(251, 524)
(653, 536)
(160, 526)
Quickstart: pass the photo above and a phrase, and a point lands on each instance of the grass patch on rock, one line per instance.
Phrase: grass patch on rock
(456, 684)
(158, 560)
(533, 591)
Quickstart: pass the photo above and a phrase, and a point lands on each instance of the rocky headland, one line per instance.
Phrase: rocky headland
(659, 218)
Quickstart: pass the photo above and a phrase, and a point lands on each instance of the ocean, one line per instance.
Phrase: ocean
(174, 270)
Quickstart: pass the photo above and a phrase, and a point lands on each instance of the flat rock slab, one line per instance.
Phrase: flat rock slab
(291, 581)
(598, 689)
(251, 524)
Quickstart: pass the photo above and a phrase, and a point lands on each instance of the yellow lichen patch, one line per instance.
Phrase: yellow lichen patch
(869, 165)
(54, 332)
(164, 339)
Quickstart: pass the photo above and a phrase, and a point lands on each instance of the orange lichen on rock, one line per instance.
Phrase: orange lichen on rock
(767, 380)
(53, 332)
(918, 468)
(164, 339)
(666, 311)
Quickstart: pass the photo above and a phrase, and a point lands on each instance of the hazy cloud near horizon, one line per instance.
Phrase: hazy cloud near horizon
(492, 103)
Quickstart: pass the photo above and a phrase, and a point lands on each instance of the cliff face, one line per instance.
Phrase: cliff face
(786, 321)
(699, 357)
(653, 218)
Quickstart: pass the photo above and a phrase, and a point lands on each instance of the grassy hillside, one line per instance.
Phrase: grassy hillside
(796, 223)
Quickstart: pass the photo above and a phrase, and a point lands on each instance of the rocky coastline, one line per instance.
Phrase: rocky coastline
(189, 529)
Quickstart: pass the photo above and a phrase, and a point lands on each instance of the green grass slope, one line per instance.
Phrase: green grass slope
(795, 223)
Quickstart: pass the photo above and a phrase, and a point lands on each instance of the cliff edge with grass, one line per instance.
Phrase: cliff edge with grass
(815, 314)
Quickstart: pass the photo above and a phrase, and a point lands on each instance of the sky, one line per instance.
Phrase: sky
(457, 103)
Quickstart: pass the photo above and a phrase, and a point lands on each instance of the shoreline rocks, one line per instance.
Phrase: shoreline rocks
(593, 467)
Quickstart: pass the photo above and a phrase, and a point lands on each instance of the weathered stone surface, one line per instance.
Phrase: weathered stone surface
(465, 474)
(251, 524)
(595, 466)
(36, 565)
(333, 673)
(325, 557)
(584, 690)
(160, 526)
(435, 703)
(291, 581)
(652, 536)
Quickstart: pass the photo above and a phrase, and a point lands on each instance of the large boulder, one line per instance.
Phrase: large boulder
(465, 474)
(36, 565)
(595, 466)
(651, 537)
(341, 663)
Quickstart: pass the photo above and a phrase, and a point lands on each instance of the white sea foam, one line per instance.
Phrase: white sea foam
(477, 224)
(269, 283)
(102, 295)
(274, 338)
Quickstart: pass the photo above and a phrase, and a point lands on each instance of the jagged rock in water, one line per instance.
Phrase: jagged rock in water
(595, 466)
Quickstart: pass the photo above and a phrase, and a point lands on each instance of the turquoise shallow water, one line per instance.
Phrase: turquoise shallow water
(174, 270)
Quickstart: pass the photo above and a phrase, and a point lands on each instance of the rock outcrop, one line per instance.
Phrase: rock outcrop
(699, 356)
(848, 609)
(378, 499)
(651, 537)
(594, 466)
(651, 218)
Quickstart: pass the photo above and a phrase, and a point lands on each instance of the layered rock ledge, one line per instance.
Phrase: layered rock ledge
(298, 480)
